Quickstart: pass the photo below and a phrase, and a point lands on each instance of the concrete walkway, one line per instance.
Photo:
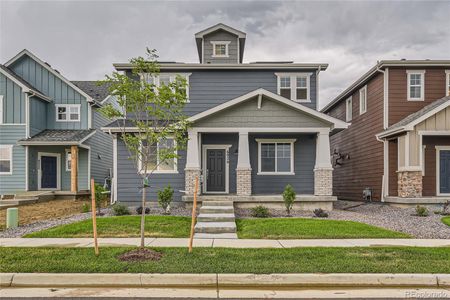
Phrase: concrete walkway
(221, 243)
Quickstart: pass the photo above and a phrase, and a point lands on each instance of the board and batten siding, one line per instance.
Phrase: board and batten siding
(59, 91)
(222, 36)
(13, 101)
(15, 182)
(38, 115)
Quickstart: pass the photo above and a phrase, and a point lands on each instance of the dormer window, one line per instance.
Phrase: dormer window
(220, 48)
(294, 86)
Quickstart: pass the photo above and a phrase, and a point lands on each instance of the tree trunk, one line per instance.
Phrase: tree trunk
(143, 218)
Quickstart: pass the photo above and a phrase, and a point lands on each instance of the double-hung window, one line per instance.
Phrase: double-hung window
(158, 159)
(294, 86)
(166, 79)
(363, 100)
(348, 109)
(220, 48)
(447, 80)
(275, 157)
(416, 85)
(6, 159)
(68, 112)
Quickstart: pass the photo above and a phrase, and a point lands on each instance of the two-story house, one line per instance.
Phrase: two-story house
(48, 136)
(398, 143)
(255, 129)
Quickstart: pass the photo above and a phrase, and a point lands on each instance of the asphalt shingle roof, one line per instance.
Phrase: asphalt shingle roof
(51, 135)
(97, 92)
(20, 79)
(128, 123)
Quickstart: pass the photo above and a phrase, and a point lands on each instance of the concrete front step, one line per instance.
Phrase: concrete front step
(216, 236)
(217, 203)
(216, 209)
(215, 227)
(216, 218)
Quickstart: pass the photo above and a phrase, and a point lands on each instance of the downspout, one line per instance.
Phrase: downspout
(385, 177)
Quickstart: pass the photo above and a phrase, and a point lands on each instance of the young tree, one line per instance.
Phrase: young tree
(155, 111)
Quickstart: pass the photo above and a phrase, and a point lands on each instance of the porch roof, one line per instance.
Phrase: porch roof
(59, 137)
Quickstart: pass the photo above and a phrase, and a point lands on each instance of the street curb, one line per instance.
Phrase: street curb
(138, 280)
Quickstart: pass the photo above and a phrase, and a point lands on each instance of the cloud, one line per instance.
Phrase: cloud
(82, 39)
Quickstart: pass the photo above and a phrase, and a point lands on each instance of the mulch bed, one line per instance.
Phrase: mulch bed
(140, 255)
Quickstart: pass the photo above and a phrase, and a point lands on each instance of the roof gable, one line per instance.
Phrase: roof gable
(221, 26)
(26, 86)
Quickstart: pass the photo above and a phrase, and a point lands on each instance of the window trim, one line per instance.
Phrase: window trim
(363, 90)
(10, 147)
(447, 80)
(422, 84)
(174, 171)
(226, 43)
(276, 141)
(68, 106)
(293, 82)
(67, 160)
(172, 77)
(349, 112)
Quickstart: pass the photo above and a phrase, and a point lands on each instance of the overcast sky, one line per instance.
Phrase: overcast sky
(83, 38)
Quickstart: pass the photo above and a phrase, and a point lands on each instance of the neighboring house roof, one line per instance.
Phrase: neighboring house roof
(375, 69)
(25, 85)
(58, 137)
(412, 120)
(98, 92)
(50, 69)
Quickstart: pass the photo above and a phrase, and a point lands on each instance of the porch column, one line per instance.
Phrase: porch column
(323, 170)
(192, 169)
(74, 169)
(243, 170)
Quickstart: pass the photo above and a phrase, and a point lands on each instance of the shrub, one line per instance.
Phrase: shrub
(139, 210)
(289, 198)
(421, 211)
(165, 197)
(320, 213)
(260, 211)
(120, 210)
(85, 208)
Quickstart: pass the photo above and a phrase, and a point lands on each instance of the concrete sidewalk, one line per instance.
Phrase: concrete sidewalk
(221, 243)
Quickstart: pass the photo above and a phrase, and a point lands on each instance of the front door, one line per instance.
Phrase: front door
(49, 173)
(216, 170)
(444, 172)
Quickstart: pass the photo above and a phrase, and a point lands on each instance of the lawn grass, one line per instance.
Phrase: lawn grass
(227, 260)
(124, 226)
(446, 220)
(301, 228)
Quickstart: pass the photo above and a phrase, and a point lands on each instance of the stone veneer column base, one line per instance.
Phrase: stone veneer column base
(323, 182)
(189, 180)
(244, 182)
(409, 184)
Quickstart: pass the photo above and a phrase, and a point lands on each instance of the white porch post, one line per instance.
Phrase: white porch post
(323, 170)
(192, 169)
(243, 170)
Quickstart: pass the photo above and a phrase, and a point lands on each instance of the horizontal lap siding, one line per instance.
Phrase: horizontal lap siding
(365, 166)
(429, 180)
(13, 101)
(11, 184)
(223, 36)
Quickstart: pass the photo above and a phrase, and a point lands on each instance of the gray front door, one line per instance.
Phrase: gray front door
(444, 171)
(215, 168)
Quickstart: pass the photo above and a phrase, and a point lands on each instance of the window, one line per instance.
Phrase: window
(68, 160)
(294, 86)
(220, 48)
(363, 100)
(6, 159)
(276, 157)
(416, 86)
(166, 79)
(348, 110)
(447, 86)
(68, 112)
(155, 154)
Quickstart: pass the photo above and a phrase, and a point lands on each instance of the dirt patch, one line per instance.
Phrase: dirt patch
(140, 255)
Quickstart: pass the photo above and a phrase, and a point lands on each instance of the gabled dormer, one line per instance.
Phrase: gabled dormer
(220, 44)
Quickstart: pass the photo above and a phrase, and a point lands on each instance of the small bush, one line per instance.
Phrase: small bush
(421, 211)
(289, 198)
(260, 212)
(85, 208)
(165, 197)
(320, 213)
(139, 210)
(120, 210)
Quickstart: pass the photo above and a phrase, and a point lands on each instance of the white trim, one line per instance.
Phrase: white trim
(422, 84)
(14, 124)
(293, 85)
(438, 171)
(434, 132)
(238, 49)
(1, 109)
(226, 43)
(363, 91)
(11, 156)
(68, 113)
(317, 89)
(66, 159)
(227, 167)
(114, 179)
(385, 169)
(447, 82)
(89, 169)
(203, 51)
(349, 111)
(261, 129)
(422, 156)
(27, 115)
(157, 171)
(276, 141)
(386, 98)
(89, 116)
(58, 171)
(222, 26)
(407, 150)
(230, 66)
(336, 122)
(26, 168)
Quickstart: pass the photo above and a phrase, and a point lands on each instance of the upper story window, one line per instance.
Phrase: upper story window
(363, 100)
(276, 157)
(447, 86)
(294, 86)
(220, 48)
(68, 112)
(6, 159)
(348, 109)
(416, 85)
(166, 79)
(154, 162)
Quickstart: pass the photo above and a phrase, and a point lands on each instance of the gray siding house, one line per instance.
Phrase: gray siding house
(255, 129)
(45, 121)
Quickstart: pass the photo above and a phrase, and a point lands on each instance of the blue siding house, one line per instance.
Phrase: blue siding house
(255, 128)
(46, 121)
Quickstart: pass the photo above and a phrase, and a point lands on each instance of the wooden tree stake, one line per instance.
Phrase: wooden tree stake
(194, 214)
(94, 216)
